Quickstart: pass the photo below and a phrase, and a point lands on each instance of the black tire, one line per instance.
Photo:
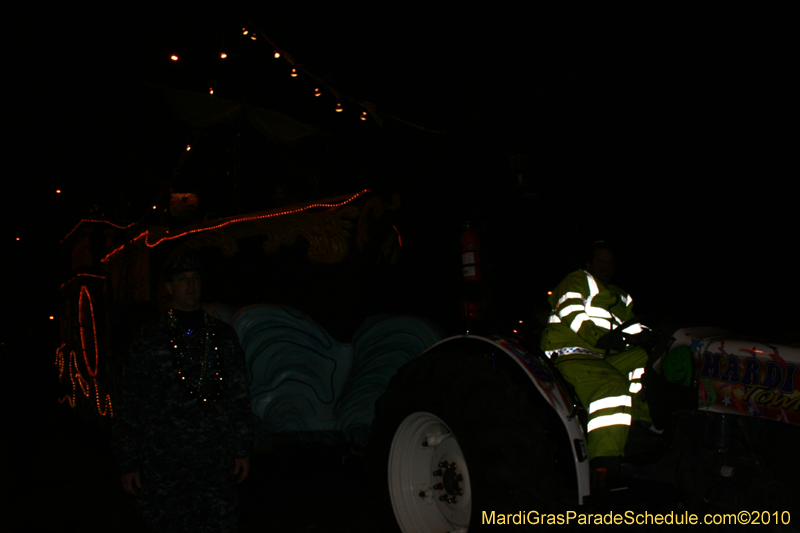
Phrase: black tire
(496, 423)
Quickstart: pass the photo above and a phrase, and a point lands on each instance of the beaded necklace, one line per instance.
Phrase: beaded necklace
(189, 349)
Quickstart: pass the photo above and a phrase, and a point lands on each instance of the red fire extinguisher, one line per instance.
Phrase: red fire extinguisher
(470, 254)
(471, 272)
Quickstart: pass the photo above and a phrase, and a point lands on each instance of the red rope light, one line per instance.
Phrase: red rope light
(146, 233)
(85, 291)
(60, 360)
(81, 380)
(259, 217)
(399, 238)
(109, 409)
(99, 221)
(119, 249)
(81, 275)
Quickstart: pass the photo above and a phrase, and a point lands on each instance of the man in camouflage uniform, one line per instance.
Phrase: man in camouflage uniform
(183, 433)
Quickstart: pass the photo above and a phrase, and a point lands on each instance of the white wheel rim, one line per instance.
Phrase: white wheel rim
(411, 471)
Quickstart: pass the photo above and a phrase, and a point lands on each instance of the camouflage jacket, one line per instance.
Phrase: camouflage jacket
(159, 423)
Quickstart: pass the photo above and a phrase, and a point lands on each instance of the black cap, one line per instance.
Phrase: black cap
(187, 262)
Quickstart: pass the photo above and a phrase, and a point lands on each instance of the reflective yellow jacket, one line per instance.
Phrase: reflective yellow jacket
(583, 311)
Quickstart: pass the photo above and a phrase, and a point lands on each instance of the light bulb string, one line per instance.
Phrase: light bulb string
(339, 96)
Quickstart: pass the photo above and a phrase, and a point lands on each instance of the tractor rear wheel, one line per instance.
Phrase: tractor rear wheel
(456, 443)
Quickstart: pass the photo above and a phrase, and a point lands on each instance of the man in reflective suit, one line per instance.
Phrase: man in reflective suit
(585, 308)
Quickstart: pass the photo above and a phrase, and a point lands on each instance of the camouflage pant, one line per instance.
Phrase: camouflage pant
(196, 498)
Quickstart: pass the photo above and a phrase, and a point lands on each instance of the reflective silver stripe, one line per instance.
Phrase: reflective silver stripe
(593, 290)
(553, 319)
(633, 329)
(569, 296)
(625, 299)
(578, 321)
(635, 387)
(636, 374)
(570, 309)
(598, 311)
(611, 401)
(601, 323)
(618, 419)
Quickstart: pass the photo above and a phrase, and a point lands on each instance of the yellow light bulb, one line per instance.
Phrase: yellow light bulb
(173, 57)
(277, 54)
(244, 31)
(154, 207)
(58, 191)
(223, 55)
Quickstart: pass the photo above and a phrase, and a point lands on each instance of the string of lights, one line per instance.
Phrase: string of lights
(84, 296)
(104, 406)
(146, 234)
(79, 276)
(97, 221)
(368, 108)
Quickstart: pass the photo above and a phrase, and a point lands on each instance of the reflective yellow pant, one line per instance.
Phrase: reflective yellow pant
(607, 389)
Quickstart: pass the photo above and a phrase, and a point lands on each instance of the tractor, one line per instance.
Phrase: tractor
(482, 425)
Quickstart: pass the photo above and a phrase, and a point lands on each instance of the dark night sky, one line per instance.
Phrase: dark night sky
(668, 129)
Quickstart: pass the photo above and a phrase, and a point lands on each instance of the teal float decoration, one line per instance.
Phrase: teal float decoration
(302, 381)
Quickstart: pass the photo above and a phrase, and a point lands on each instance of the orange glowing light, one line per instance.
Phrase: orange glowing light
(316, 92)
(515, 331)
(52, 317)
(363, 115)
(17, 238)
(239, 219)
(104, 406)
(58, 191)
(60, 360)
(146, 233)
(108, 410)
(399, 238)
(81, 276)
(338, 108)
(210, 90)
(244, 31)
(277, 54)
(549, 293)
(69, 399)
(294, 72)
(85, 296)
(173, 57)
(223, 55)
(253, 37)
(120, 248)
(103, 221)
(188, 147)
